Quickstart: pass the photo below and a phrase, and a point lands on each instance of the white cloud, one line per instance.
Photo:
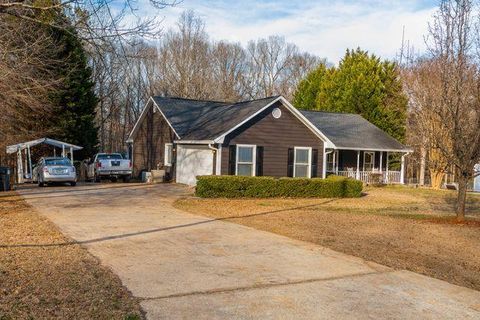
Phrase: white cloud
(324, 28)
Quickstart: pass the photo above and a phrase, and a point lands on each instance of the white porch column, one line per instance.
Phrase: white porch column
(324, 163)
(25, 170)
(71, 154)
(386, 169)
(357, 175)
(381, 161)
(381, 166)
(336, 162)
(63, 150)
(402, 170)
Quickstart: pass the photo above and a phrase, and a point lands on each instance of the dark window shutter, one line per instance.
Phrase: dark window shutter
(291, 155)
(259, 162)
(314, 163)
(232, 159)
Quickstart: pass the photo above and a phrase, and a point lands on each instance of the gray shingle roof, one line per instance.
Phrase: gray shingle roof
(207, 120)
(348, 130)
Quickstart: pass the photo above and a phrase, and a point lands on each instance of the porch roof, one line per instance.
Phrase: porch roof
(353, 132)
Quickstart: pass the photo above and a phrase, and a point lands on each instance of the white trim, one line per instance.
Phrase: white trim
(357, 174)
(373, 149)
(254, 158)
(142, 116)
(381, 161)
(327, 142)
(194, 141)
(324, 161)
(218, 165)
(373, 157)
(165, 159)
(309, 163)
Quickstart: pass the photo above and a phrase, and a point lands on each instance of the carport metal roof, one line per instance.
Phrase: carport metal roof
(18, 148)
(24, 145)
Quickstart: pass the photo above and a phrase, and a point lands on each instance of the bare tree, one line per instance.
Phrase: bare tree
(450, 91)
(27, 78)
(229, 63)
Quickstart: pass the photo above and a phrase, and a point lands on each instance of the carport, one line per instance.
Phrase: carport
(25, 160)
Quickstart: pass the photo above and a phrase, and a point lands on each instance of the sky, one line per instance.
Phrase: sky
(324, 28)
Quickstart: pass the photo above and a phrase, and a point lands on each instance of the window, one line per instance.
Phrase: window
(246, 160)
(108, 156)
(168, 154)
(368, 161)
(58, 162)
(302, 162)
(332, 159)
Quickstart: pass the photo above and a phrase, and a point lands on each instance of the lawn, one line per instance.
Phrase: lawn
(44, 276)
(400, 227)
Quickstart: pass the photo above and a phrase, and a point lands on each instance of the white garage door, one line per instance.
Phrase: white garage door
(192, 161)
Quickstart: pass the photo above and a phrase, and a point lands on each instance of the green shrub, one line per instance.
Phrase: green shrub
(268, 187)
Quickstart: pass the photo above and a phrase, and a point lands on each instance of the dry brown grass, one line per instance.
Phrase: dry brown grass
(40, 279)
(399, 227)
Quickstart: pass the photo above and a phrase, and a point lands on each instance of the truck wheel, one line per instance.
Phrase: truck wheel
(73, 183)
(113, 179)
(126, 179)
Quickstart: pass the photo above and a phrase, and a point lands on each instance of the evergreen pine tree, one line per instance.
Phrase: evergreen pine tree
(76, 100)
(361, 84)
(308, 89)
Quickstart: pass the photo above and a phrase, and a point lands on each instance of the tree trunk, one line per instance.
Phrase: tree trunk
(461, 197)
(436, 178)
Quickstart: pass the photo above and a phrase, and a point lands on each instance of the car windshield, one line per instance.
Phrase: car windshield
(109, 156)
(57, 162)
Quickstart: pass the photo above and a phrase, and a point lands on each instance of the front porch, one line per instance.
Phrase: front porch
(366, 165)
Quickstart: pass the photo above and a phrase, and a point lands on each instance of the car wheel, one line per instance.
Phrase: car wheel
(73, 183)
(126, 179)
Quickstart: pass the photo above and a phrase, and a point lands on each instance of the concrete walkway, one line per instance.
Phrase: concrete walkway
(184, 266)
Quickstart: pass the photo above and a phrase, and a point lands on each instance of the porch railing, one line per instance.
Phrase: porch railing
(391, 177)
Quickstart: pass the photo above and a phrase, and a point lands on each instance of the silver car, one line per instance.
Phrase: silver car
(54, 169)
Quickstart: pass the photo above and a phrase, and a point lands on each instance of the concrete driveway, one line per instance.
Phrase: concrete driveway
(184, 266)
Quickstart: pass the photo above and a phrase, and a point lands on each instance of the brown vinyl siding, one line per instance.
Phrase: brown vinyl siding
(276, 136)
(149, 142)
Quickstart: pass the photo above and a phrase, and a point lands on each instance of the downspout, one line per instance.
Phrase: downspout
(215, 150)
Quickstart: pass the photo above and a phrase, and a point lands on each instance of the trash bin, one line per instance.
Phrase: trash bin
(4, 179)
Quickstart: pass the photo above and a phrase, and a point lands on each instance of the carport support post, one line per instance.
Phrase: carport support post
(357, 176)
(19, 166)
(71, 154)
(30, 162)
(63, 150)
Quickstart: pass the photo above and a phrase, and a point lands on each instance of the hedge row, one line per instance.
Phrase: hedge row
(268, 187)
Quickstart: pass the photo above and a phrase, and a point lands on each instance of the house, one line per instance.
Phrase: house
(263, 137)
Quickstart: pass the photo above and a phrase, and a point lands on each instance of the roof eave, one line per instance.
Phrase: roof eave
(405, 150)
